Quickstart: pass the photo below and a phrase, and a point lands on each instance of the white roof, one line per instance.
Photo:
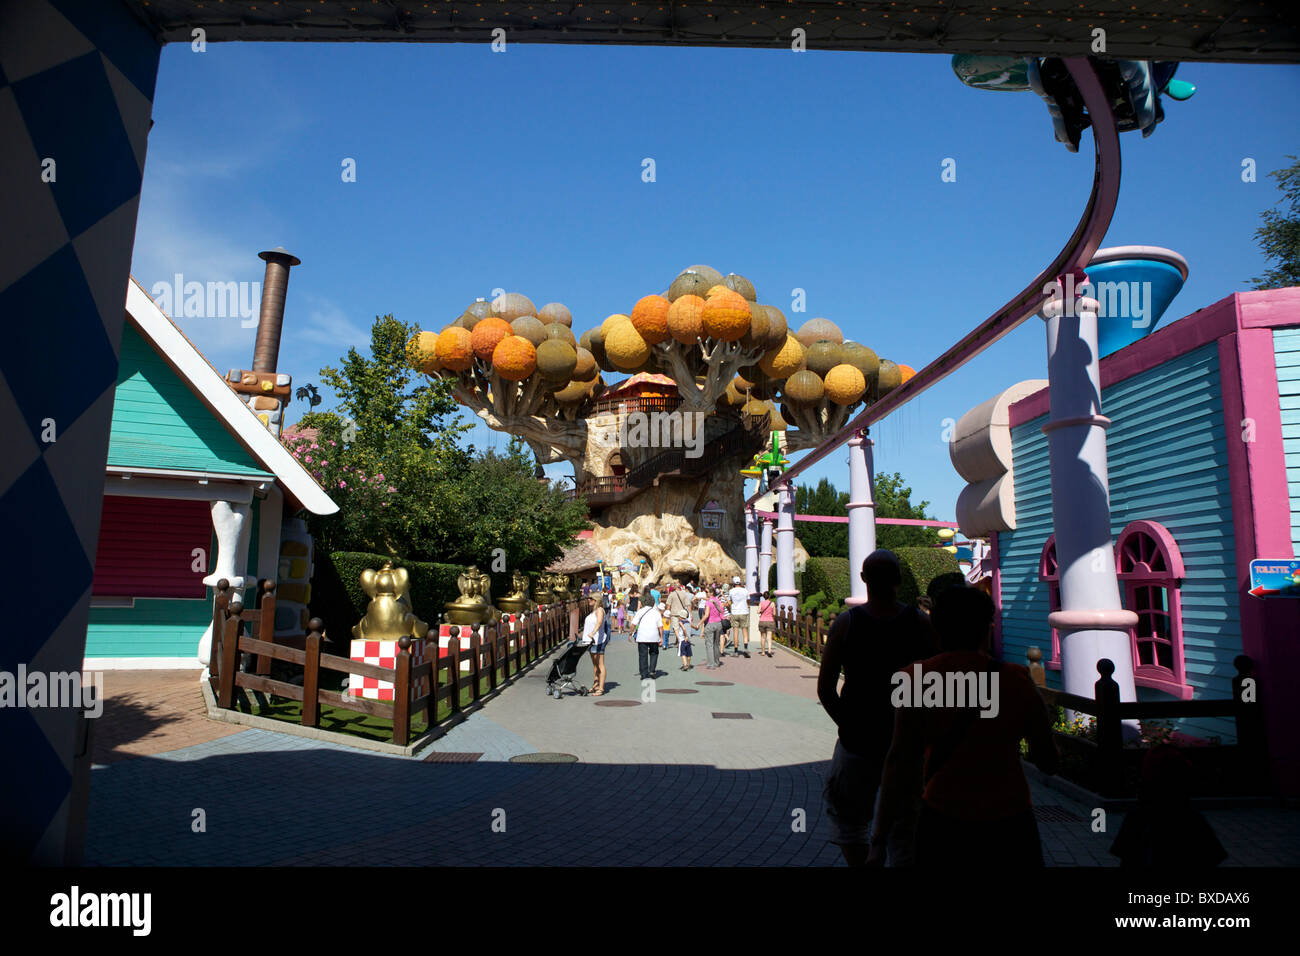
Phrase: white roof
(213, 391)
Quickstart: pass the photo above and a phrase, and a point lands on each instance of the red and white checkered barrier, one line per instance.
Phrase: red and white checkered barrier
(462, 631)
(384, 654)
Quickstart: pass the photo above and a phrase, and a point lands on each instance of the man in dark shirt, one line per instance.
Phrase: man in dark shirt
(868, 643)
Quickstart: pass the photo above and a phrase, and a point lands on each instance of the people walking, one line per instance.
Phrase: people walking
(714, 615)
(684, 652)
(868, 643)
(647, 628)
(766, 622)
(974, 799)
(596, 633)
(679, 609)
(739, 599)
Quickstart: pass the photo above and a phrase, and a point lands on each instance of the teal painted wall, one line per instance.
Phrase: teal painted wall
(155, 627)
(1286, 350)
(158, 422)
(1168, 463)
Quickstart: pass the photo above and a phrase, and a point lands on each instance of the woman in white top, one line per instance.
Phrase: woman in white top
(594, 634)
(647, 631)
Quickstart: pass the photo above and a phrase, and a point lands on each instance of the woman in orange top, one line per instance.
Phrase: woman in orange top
(975, 799)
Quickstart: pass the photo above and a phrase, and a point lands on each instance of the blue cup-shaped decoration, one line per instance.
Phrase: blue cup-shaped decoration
(1134, 286)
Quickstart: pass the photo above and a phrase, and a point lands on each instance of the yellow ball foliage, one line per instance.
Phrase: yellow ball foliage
(686, 319)
(531, 328)
(785, 360)
(804, 387)
(845, 384)
(650, 317)
(726, 315)
(624, 346)
(425, 343)
(618, 318)
(513, 305)
(575, 391)
(585, 369)
(556, 360)
(487, 333)
(907, 372)
(454, 349)
(888, 378)
(514, 358)
(556, 312)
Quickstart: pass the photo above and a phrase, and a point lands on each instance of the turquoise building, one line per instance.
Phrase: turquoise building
(198, 487)
(1203, 449)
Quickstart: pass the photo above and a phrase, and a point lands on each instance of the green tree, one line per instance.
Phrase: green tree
(1279, 236)
(894, 500)
(390, 455)
(502, 505)
(383, 448)
(822, 539)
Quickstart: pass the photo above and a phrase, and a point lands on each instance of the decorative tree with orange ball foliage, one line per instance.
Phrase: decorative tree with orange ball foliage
(728, 356)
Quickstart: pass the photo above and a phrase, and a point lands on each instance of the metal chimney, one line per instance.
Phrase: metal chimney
(275, 285)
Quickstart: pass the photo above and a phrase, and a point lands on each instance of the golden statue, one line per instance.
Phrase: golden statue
(474, 604)
(517, 601)
(388, 615)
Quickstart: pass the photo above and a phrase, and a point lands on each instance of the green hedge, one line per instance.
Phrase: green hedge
(337, 598)
(920, 567)
(836, 575)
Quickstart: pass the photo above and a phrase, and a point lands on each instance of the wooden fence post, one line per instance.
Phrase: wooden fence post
(220, 608)
(1110, 732)
(476, 661)
(493, 630)
(311, 675)
(229, 659)
(1036, 671)
(402, 693)
(453, 671)
(265, 622)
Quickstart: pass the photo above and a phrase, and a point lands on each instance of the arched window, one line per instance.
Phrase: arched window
(1150, 569)
(1048, 572)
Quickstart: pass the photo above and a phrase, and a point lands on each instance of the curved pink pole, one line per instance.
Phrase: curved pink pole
(1086, 240)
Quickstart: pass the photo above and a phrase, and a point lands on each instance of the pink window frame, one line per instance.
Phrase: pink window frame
(1171, 680)
(1050, 574)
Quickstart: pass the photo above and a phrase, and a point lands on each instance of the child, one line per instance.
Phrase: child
(684, 652)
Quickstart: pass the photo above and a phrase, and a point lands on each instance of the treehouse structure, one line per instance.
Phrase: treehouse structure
(659, 408)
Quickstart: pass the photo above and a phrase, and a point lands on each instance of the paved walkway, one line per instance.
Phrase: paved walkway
(658, 781)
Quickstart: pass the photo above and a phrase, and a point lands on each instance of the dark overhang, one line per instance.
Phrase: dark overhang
(1213, 30)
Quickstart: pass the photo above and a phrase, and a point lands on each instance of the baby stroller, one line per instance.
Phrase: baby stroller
(563, 672)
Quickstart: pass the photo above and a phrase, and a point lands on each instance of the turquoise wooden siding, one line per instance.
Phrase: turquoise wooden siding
(165, 627)
(158, 422)
(1168, 463)
(1286, 351)
(155, 627)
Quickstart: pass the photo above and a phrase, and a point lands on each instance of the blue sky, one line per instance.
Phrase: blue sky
(820, 171)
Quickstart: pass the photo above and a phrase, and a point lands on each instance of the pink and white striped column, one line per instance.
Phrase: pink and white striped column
(786, 592)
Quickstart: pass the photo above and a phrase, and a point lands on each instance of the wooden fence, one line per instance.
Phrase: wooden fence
(1108, 750)
(491, 658)
(805, 633)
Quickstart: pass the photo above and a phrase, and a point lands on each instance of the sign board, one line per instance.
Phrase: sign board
(1279, 577)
